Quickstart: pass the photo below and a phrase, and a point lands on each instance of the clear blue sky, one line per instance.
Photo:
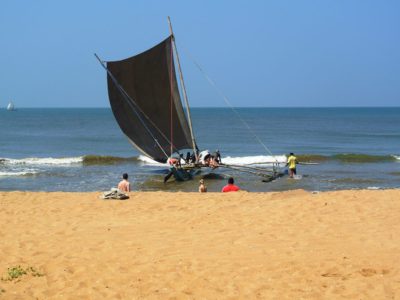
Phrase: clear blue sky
(260, 53)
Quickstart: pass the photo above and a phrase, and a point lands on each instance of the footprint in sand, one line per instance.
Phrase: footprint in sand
(331, 275)
(368, 272)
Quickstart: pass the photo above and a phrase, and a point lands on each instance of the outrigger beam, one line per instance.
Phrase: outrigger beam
(268, 175)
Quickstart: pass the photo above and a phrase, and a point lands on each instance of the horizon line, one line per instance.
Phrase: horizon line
(218, 107)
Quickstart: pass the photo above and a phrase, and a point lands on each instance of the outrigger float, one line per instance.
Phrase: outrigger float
(146, 102)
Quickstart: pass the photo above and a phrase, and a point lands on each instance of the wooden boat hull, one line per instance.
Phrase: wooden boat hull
(183, 173)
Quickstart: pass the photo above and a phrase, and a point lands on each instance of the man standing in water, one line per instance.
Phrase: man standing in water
(291, 163)
(202, 186)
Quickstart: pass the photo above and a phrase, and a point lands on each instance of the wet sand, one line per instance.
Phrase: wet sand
(158, 245)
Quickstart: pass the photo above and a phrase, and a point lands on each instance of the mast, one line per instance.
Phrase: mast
(183, 89)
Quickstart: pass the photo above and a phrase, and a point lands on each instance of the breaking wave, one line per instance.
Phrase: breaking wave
(229, 160)
(149, 161)
(106, 160)
(85, 160)
(312, 158)
(234, 160)
(363, 158)
(41, 161)
(20, 173)
(259, 159)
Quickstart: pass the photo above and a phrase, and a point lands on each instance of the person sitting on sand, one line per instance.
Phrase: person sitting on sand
(124, 184)
(230, 187)
(292, 162)
(202, 186)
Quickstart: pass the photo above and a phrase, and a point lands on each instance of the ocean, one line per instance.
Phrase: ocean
(83, 149)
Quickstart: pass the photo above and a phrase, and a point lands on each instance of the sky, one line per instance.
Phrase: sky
(258, 53)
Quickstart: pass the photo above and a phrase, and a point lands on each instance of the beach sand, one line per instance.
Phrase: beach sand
(158, 245)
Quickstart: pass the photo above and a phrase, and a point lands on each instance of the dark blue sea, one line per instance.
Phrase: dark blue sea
(84, 150)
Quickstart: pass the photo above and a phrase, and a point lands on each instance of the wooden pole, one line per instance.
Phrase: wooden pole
(183, 90)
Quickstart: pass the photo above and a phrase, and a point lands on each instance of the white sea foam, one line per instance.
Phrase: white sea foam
(241, 160)
(42, 161)
(149, 161)
(373, 188)
(259, 159)
(396, 157)
(20, 173)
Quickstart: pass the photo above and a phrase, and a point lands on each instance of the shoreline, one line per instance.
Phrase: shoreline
(294, 244)
(372, 188)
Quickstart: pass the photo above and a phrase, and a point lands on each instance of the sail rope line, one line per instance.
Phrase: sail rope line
(170, 104)
(135, 107)
(220, 93)
(127, 97)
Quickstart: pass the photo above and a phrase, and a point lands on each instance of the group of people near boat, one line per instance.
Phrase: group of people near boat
(209, 159)
(204, 158)
(213, 160)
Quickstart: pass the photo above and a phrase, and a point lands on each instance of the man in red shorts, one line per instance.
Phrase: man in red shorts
(230, 187)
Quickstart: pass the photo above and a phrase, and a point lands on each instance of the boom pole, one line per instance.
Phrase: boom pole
(183, 90)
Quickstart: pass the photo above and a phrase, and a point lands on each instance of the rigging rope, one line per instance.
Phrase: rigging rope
(229, 104)
(170, 86)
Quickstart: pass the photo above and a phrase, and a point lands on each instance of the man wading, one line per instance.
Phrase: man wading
(292, 162)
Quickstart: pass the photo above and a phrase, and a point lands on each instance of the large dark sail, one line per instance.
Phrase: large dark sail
(145, 100)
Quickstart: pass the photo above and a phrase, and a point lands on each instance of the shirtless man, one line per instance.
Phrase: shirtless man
(124, 184)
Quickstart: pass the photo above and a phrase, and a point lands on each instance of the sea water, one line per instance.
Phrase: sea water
(83, 149)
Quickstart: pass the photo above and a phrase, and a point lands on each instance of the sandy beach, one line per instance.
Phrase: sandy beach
(158, 245)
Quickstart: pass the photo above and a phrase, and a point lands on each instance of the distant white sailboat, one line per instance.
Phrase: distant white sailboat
(10, 106)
